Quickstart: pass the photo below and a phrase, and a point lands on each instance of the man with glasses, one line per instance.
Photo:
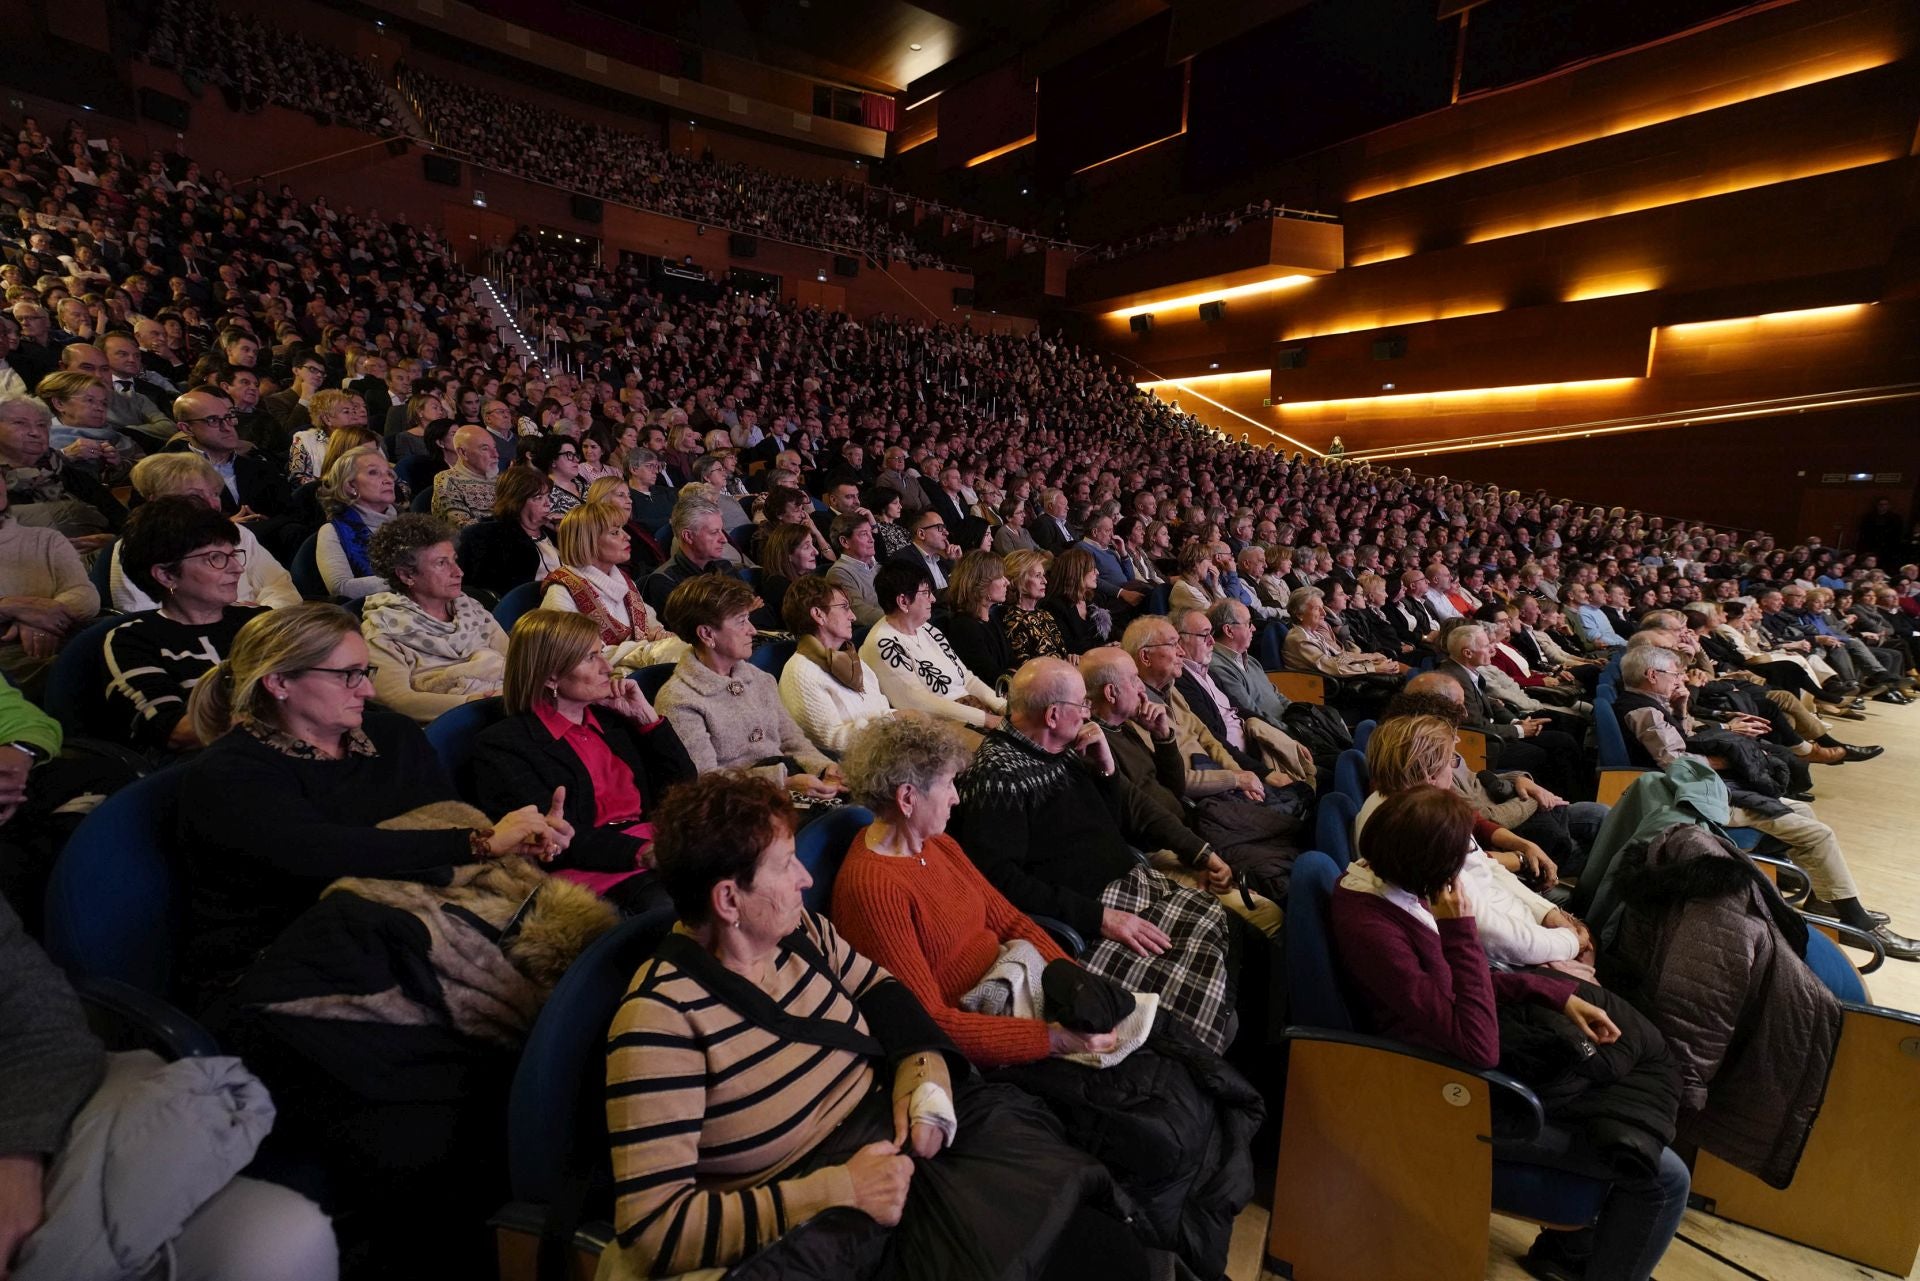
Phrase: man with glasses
(1046, 818)
(252, 490)
(929, 547)
(289, 408)
(1236, 673)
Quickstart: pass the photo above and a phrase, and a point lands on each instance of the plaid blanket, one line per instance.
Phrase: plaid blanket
(1191, 975)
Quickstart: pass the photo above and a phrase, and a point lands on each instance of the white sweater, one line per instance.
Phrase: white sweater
(828, 711)
(922, 673)
(1505, 911)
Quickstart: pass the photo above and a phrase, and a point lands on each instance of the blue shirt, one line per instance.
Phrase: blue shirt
(1594, 623)
(1113, 573)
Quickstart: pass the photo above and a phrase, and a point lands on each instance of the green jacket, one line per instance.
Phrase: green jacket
(22, 722)
(1688, 792)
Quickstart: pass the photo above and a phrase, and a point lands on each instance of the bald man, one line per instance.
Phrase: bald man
(253, 491)
(129, 408)
(464, 492)
(1045, 816)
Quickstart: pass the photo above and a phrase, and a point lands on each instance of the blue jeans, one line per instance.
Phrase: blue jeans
(1639, 1217)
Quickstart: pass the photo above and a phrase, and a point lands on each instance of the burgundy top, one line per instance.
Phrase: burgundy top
(1430, 990)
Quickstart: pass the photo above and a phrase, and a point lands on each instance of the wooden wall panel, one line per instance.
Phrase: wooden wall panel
(1259, 250)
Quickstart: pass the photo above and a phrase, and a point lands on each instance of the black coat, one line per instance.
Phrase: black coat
(517, 762)
(497, 556)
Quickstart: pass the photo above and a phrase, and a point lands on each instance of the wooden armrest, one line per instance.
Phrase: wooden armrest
(1473, 749)
(1614, 783)
(1300, 687)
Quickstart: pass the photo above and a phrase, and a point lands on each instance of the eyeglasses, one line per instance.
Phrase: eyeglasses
(351, 677)
(1206, 635)
(218, 560)
(228, 417)
(1085, 704)
(566, 453)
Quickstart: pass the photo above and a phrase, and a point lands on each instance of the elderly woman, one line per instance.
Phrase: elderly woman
(788, 555)
(433, 646)
(918, 668)
(1367, 680)
(558, 459)
(265, 581)
(572, 725)
(594, 545)
(1032, 630)
(1403, 928)
(331, 410)
(80, 429)
(653, 497)
(763, 1077)
(1073, 582)
(186, 556)
(512, 548)
(357, 496)
(296, 780)
(47, 488)
(727, 711)
(44, 596)
(976, 596)
(830, 692)
(910, 898)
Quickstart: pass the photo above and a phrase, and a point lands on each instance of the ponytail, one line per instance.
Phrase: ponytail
(210, 705)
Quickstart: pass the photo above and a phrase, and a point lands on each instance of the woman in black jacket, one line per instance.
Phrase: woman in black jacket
(500, 554)
(976, 593)
(571, 725)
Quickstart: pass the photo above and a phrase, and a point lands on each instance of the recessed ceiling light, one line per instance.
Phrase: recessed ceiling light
(914, 47)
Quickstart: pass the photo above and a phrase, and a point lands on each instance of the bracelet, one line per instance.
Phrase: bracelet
(480, 842)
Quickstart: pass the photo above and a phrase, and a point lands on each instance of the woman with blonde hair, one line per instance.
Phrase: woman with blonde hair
(295, 784)
(572, 724)
(1032, 630)
(357, 496)
(264, 581)
(976, 599)
(331, 410)
(594, 545)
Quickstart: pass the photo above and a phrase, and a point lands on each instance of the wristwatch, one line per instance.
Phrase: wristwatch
(35, 753)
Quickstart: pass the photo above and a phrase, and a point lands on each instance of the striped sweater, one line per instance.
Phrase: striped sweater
(706, 1106)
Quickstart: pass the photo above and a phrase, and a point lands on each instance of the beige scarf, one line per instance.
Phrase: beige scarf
(842, 664)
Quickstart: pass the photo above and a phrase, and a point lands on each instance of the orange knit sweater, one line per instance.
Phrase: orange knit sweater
(937, 928)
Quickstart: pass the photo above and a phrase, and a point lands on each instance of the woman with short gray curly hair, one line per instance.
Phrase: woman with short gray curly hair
(909, 897)
(433, 646)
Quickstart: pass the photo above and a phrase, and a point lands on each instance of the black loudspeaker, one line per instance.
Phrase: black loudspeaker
(1389, 348)
(742, 246)
(845, 266)
(1290, 358)
(962, 296)
(164, 109)
(1141, 324)
(398, 146)
(441, 169)
(587, 209)
(1212, 311)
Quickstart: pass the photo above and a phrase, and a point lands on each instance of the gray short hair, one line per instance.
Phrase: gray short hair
(33, 403)
(1458, 638)
(1638, 661)
(891, 752)
(690, 508)
(1227, 610)
(1299, 598)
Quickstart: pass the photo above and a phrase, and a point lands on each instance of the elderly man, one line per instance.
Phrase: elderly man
(1653, 715)
(1513, 741)
(1271, 758)
(1446, 599)
(464, 492)
(1236, 672)
(1046, 819)
(1116, 581)
(1785, 614)
(252, 489)
(129, 406)
(1050, 528)
(1412, 621)
(497, 417)
(699, 547)
(853, 568)
(1257, 841)
(1589, 621)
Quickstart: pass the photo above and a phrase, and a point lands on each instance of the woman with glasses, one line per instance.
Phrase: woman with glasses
(331, 410)
(264, 582)
(558, 458)
(186, 556)
(918, 667)
(826, 687)
(435, 646)
(301, 785)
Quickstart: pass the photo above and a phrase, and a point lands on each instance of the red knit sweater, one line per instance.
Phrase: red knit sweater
(937, 928)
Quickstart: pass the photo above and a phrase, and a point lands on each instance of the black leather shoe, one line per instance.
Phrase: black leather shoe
(1813, 906)
(1863, 752)
(1806, 797)
(1893, 696)
(1897, 946)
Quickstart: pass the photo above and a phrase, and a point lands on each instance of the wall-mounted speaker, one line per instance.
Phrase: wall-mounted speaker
(1290, 358)
(164, 109)
(845, 266)
(962, 296)
(587, 209)
(441, 169)
(1389, 348)
(1141, 324)
(1212, 311)
(742, 246)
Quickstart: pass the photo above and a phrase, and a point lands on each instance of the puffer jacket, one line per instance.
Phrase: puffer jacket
(1707, 949)
(155, 1142)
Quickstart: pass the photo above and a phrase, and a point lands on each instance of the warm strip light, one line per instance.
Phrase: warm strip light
(1678, 194)
(1213, 295)
(915, 106)
(1131, 151)
(1354, 325)
(1384, 255)
(1704, 101)
(1696, 327)
(1588, 292)
(998, 152)
(1268, 428)
(921, 141)
(1466, 393)
(1204, 378)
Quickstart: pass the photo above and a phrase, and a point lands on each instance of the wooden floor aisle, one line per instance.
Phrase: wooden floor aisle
(1870, 808)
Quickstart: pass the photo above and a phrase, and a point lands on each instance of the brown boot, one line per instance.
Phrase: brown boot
(1822, 755)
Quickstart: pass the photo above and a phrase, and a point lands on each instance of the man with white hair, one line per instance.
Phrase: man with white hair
(1050, 823)
(1513, 741)
(1652, 710)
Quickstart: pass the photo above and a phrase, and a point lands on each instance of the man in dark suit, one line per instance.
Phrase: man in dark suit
(842, 497)
(288, 408)
(929, 547)
(946, 497)
(1050, 528)
(1513, 741)
(1412, 621)
(250, 486)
